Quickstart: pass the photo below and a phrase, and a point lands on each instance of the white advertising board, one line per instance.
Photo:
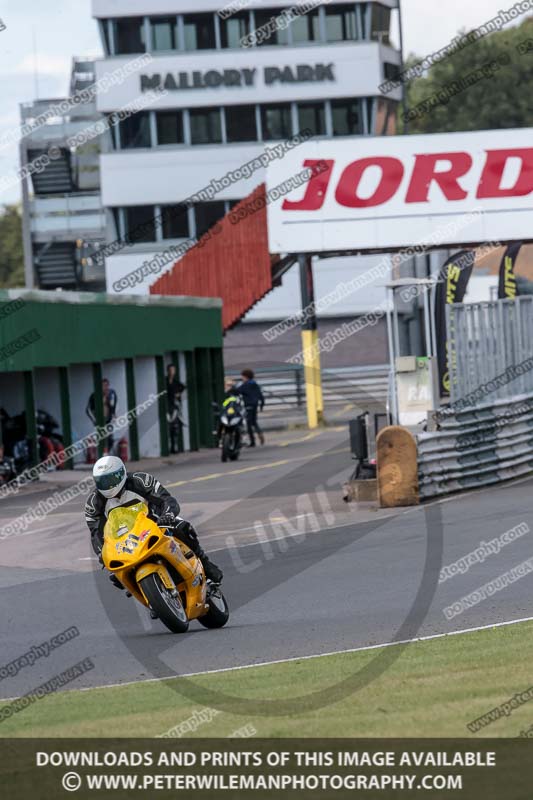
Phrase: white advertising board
(384, 193)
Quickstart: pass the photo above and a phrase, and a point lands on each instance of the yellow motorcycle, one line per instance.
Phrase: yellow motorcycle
(160, 571)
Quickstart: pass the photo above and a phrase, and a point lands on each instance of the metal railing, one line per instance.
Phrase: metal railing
(490, 349)
(284, 386)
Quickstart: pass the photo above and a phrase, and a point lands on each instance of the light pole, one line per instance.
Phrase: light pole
(404, 93)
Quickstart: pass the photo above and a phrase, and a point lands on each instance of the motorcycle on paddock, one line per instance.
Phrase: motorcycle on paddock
(230, 429)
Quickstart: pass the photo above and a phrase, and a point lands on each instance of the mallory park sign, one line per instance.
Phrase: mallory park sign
(213, 78)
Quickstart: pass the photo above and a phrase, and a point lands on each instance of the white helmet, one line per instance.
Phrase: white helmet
(109, 475)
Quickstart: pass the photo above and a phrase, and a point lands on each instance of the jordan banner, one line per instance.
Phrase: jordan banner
(451, 288)
(507, 283)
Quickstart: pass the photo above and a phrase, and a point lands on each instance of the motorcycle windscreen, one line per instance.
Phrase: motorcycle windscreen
(122, 520)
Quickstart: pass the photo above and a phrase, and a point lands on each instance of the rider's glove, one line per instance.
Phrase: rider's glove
(167, 520)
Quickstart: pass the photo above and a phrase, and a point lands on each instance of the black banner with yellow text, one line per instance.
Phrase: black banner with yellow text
(507, 284)
(451, 288)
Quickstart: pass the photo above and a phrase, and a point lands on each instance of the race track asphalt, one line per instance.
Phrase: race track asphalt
(304, 572)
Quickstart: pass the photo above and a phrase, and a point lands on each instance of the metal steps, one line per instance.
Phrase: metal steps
(56, 177)
(56, 265)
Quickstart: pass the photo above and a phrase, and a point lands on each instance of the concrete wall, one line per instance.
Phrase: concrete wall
(245, 346)
(115, 372)
(185, 405)
(148, 421)
(12, 393)
(329, 274)
(81, 388)
(47, 393)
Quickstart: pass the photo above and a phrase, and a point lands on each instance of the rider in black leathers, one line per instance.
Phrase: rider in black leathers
(162, 507)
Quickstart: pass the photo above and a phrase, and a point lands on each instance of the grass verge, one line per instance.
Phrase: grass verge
(434, 689)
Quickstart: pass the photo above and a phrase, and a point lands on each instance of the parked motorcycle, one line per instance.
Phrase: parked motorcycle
(19, 447)
(47, 425)
(230, 428)
(50, 439)
(160, 571)
(7, 467)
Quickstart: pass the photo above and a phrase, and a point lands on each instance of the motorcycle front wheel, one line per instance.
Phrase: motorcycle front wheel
(168, 608)
(236, 446)
(226, 447)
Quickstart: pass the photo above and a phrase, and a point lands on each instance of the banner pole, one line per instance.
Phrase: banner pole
(310, 345)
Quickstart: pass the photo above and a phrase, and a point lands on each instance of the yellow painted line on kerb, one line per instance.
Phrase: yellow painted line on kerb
(300, 439)
(255, 468)
(308, 436)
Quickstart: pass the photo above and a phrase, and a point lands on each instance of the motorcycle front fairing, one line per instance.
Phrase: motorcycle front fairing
(134, 547)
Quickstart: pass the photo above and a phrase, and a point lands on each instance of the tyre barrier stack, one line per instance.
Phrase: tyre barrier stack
(476, 446)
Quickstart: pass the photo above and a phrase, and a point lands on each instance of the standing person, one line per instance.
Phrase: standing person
(174, 418)
(252, 395)
(110, 408)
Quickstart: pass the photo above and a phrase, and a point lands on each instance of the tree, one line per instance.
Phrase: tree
(493, 79)
(11, 252)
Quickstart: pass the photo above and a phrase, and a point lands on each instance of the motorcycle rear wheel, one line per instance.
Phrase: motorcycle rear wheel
(168, 608)
(218, 613)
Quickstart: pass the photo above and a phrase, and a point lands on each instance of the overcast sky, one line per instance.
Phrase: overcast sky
(63, 28)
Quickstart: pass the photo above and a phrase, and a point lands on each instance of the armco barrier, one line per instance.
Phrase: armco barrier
(477, 446)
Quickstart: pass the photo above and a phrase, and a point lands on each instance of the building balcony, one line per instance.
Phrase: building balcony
(66, 218)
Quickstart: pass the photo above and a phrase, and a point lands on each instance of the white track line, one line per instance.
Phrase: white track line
(258, 542)
(299, 658)
(339, 652)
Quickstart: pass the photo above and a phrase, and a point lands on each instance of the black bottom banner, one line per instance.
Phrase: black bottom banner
(296, 768)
